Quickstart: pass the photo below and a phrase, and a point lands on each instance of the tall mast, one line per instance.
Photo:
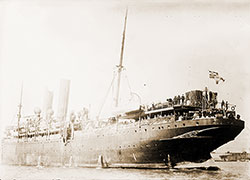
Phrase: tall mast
(19, 111)
(121, 59)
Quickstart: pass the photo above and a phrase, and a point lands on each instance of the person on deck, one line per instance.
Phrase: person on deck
(226, 106)
(182, 99)
(175, 100)
(178, 99)
(222, 104)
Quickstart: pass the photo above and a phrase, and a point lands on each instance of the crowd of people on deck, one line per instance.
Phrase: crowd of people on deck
(205, 101)
(193, 98)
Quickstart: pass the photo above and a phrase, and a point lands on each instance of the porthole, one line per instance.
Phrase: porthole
(153, 127)
(159, 127)
(184, 124)
(175, 125)
(135, 130)
(145, 129)
(197, 123)
(168, 126)
(162, 127)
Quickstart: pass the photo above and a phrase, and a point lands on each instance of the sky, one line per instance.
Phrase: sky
(169, 48)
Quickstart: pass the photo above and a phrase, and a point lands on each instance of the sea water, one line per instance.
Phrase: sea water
(227, 171)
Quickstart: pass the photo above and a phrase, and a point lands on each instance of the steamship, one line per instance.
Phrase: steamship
(184, 128)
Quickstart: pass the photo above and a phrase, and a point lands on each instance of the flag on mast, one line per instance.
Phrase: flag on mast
(215, 75)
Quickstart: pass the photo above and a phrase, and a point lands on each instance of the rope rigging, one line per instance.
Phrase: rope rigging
(105, 98)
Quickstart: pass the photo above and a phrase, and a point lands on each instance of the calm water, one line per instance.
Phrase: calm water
(228, 170)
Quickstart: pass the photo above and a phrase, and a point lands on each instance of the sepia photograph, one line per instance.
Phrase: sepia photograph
(124, 89)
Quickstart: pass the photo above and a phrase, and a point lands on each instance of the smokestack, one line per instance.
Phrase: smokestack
(47, 102)
(63, 100)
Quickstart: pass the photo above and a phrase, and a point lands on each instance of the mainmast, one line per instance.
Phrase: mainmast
(120, 66)
(19, 111)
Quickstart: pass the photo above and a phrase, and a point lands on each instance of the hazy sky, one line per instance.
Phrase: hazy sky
(169, 48)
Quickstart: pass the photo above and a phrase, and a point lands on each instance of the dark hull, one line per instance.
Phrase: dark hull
(168, 142)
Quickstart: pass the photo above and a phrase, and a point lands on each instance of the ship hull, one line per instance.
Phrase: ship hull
(137, 146)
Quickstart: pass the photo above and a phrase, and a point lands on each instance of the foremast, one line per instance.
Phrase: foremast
(120, 66)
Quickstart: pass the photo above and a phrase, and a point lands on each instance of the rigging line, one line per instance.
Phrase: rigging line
(105, 98)
(131, 92)
(127, 81)
(113, 88)
(13, 120)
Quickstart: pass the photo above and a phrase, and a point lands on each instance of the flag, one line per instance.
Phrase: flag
(215, 75)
